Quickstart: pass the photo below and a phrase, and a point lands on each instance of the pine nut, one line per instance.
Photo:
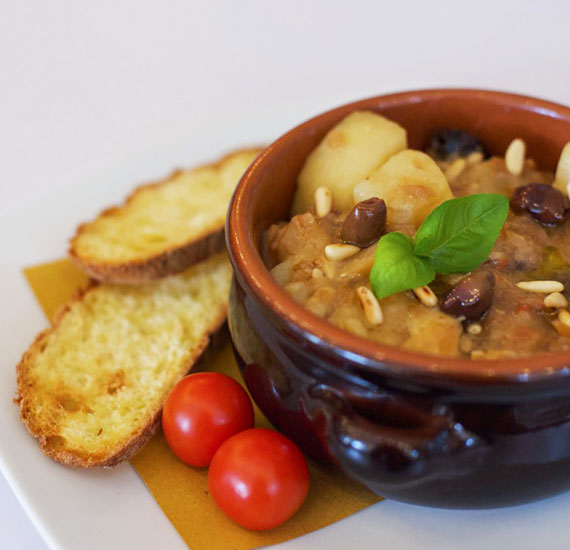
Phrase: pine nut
(465, 344)
(323, 201)
(562, 177)
(514, 156)
(474, 328)
(338, 252)
(474, 158)
(556, 300)
(454, 169)
(317, 273)
(426, 296)
(370, 305)
(542, 287)
(564, 317)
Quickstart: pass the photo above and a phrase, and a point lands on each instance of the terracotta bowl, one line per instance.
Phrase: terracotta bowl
(412, 427)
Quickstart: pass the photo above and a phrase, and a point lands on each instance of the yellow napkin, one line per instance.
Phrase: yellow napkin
(182, 491)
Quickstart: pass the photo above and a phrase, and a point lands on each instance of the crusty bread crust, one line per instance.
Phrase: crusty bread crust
(125, 449)
(169, 261)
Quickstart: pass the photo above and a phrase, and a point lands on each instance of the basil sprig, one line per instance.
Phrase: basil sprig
(396, 268)
(456, 237)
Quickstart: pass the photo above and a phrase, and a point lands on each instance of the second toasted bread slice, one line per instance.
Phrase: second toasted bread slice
(163, 228)
(92, 387)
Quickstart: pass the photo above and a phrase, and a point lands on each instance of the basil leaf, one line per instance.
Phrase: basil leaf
(396, 268)
(458, 235)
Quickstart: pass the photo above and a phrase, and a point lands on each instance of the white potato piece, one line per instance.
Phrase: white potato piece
(432, 331)
(358, 144)
(412, 185)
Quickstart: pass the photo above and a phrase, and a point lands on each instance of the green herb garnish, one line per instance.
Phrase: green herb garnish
(456, 237)
(397, 268)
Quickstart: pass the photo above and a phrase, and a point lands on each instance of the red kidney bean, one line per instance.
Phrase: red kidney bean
(365, 223)
(543, 202)
(471, 297)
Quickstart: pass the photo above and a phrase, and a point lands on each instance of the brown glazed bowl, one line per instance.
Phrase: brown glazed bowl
(416, 428)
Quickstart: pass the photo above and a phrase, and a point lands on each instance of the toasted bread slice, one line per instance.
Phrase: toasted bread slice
(162, 228)
(92, 387)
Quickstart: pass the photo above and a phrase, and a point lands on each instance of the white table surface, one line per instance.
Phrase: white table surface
(88, 85)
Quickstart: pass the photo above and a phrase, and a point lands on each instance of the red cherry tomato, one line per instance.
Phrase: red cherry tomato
(201, 412)
(259, 478)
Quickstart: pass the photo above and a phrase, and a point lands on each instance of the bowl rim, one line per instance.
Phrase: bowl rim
(251, 270)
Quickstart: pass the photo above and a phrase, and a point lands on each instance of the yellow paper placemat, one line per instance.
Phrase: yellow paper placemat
(182, 491)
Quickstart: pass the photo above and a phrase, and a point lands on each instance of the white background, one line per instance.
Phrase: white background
(129, 90)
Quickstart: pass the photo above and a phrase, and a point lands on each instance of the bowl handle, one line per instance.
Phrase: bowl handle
(383, 432)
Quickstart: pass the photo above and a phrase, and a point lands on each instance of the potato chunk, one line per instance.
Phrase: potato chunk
(432, 331)
(347, 154)
(412, 185)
